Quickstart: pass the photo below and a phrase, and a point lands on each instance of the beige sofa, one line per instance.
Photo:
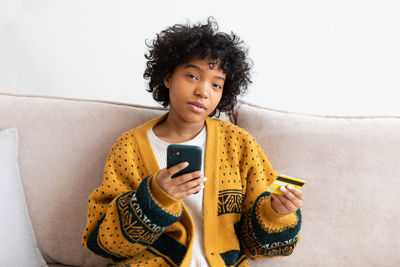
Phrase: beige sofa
(351, 164)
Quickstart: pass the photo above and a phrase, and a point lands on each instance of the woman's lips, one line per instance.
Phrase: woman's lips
(197, 106)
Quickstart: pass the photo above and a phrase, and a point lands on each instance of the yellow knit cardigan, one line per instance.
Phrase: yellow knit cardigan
(133, 222)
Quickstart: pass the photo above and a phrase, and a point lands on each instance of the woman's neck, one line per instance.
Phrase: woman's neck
(175, 131)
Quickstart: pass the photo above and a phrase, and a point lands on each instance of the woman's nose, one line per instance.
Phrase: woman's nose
(202, 90)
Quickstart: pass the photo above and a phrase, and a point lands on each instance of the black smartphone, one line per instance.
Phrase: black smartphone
(179, 153)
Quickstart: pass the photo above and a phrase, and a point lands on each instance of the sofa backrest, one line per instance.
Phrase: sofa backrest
(63, 147)
(351, 166)
(352, 169)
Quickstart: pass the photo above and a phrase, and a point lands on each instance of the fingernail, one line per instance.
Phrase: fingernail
(205, 179)
(290, 187)
(283, 188)
(185, 164)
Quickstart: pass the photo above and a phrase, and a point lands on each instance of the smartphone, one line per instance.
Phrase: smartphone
(179, 153)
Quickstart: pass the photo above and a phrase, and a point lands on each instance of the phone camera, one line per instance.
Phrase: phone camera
(175, 153)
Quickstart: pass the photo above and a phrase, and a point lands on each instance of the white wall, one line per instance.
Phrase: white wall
(321, 57)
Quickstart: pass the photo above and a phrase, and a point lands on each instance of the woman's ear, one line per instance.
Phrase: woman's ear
(167, 80)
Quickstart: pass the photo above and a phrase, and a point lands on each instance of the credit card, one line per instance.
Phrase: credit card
(284, 180)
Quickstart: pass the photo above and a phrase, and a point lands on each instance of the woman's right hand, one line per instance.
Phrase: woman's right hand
(181, 186)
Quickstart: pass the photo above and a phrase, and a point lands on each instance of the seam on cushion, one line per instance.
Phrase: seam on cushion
(244, 103)
(85, 100)
(233, 118)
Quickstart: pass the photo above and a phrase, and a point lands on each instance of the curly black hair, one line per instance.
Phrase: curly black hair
(178, 44)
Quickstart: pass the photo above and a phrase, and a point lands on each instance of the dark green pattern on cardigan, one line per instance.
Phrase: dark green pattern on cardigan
(264, 237)
(152, 210)
(94, 246)
(170, 247)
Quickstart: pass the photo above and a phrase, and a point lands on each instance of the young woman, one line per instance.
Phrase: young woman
(140, 216)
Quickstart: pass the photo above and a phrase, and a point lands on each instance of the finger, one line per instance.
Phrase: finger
(180, 190)
(290, 196)
(191, 184)
(298, 193)
(280, 204)
(195, 190)
(287, 203)
(187, 177)
(162, 175)
(176, 168)
(190, 191)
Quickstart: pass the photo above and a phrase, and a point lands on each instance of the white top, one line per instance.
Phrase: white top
(194, 202)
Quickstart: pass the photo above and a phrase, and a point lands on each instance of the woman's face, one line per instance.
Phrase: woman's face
(195, 89)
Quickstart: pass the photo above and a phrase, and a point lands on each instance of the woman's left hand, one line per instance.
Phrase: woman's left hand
(291, 200)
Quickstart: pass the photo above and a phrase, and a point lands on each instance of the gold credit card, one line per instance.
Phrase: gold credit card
(284, 180)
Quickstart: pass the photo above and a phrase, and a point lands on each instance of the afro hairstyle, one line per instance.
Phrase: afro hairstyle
(178, 44)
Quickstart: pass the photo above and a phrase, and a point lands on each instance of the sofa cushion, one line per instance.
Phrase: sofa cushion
(351, 165)
(63, 149)
(18, 245)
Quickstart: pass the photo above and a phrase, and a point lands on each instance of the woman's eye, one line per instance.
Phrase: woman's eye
(218, 86)
(191, 76)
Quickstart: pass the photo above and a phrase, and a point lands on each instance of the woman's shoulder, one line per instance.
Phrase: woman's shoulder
(127, 135)
(233, 130)
(139, 132)
(125, 140)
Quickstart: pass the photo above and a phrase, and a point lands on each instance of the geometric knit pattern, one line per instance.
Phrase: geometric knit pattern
(260, 240)
(131, 220)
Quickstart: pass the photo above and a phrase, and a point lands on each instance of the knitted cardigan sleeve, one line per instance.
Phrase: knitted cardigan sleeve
(129, 211)
(263, 232)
